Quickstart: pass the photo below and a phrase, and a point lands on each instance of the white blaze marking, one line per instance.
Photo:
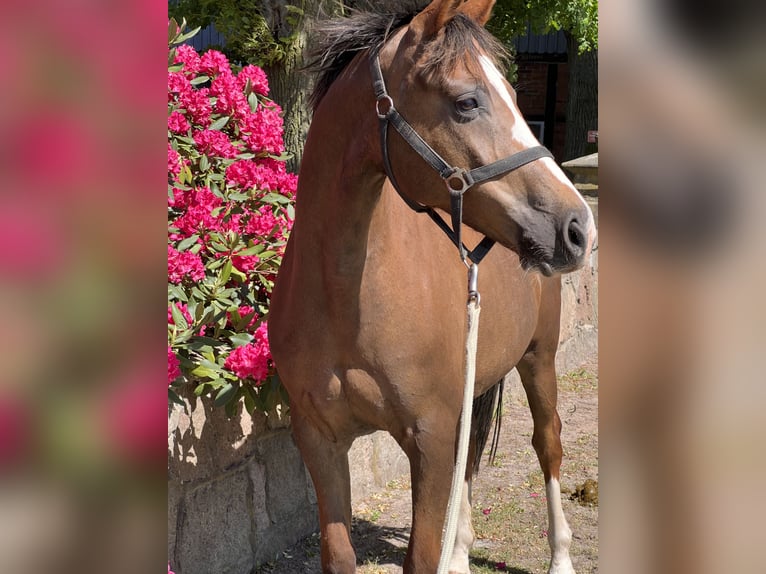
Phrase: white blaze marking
(559, 533)
(522, 134)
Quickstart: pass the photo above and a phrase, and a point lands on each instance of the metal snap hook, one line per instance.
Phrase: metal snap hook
(473, 284)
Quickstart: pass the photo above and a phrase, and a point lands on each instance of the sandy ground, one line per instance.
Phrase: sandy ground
(509, 513)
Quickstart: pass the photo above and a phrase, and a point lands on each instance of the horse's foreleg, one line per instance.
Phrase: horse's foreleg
(459, 564)
(327, 462)
(431, 451)
(538, 375)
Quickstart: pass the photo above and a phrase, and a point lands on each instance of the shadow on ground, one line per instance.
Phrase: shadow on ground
(379, 549)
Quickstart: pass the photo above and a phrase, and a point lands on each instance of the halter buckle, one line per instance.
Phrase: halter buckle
(388, 111)
(458, 180)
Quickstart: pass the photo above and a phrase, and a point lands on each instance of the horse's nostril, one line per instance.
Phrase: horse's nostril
(576, 236)
(574, 240)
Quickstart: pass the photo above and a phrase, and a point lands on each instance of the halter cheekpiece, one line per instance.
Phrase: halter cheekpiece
(457, 179)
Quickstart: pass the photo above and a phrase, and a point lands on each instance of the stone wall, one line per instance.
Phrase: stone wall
(238, 493)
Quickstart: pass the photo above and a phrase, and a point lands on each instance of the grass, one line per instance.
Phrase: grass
(578, 379)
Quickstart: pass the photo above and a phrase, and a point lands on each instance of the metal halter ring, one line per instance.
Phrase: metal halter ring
(390, 109)
(460, 176)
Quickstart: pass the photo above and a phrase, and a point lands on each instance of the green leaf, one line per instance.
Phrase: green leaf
(174, 398)
(219, 123)
(254, 250)
(226, 393)
(210, 365)
(225, 272)
(186, 140)
(200, 343)
(204, 163)
(249, 399)
(252, 99)
(231, 407)
(183, 37)
(199, 80)
(176, 292)
(276, 198)
(188, 242)
(238, 274)
(240, 339)
(204, 372)
(173, 30)
(178, 317)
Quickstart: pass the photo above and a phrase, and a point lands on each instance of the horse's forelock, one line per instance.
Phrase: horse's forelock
(335, 43)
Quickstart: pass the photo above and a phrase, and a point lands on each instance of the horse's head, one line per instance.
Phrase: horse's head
(442, 73)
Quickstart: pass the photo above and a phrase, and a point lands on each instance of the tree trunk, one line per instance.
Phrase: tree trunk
(290, 85)
(582, 105)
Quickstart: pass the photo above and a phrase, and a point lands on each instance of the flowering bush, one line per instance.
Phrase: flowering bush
(230, 209)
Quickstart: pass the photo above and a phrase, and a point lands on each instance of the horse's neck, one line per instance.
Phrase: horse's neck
(339, 189)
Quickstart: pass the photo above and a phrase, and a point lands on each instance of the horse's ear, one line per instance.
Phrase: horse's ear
(478, 10)
(434, 16)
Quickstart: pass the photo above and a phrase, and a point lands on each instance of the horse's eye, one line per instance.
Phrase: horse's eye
(466, 104)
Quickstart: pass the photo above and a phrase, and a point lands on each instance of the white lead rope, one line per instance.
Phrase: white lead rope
(458, 478)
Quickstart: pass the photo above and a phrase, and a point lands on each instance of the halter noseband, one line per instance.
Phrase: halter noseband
(457, 179)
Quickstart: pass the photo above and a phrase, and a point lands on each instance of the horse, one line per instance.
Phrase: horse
(367, 319)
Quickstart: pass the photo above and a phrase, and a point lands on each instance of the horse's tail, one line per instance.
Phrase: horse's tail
(485, 408)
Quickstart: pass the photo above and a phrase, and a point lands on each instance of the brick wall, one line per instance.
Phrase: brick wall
(531, 92)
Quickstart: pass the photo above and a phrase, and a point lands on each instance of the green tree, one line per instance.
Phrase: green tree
(579, 21)
(271, 34)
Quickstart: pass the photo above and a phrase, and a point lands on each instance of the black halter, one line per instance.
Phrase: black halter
(457, 179)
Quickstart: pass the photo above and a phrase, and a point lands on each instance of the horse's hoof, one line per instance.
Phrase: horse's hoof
(563, 567)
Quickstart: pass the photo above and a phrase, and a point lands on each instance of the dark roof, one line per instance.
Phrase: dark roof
(552, 43)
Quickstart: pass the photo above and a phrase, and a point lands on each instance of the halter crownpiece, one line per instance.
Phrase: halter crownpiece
(457, 179)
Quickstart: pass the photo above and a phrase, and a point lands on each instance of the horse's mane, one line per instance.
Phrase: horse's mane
(336, 41)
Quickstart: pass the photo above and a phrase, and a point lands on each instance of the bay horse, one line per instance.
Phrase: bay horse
(367, 321)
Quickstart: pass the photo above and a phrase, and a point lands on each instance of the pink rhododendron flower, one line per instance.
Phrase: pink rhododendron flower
(185, 264)
(177, 123)
(235, 212)
(230, 100)
(174, 162)
(214, 143)
(198, 217)
(169, 570)
(180, 198)
(174, 370)
(262, 174)
(178, 83)
(213, 63)
(262, 130)
(189, 57)
(245, 263)
(251, 360)
(262, 222)
(257, 77)
(197, 106)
